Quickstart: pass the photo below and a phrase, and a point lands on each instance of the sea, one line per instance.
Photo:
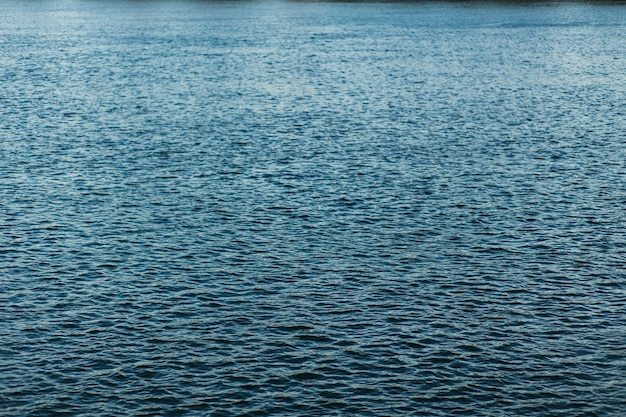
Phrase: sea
(312, 208)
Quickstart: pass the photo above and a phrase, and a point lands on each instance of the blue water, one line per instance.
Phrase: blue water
(312, 209)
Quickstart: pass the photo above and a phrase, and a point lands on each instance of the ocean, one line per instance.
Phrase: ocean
(294, 208)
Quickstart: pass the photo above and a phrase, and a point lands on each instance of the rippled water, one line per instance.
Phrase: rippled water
(275, 208)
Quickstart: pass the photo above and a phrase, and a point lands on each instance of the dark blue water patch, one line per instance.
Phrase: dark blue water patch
(316, 209)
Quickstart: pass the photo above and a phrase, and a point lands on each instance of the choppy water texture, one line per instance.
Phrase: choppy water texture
(225, 209)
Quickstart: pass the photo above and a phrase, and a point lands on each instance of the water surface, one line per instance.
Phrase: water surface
(283, 208)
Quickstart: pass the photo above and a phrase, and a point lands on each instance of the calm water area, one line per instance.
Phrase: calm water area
(292, 208)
